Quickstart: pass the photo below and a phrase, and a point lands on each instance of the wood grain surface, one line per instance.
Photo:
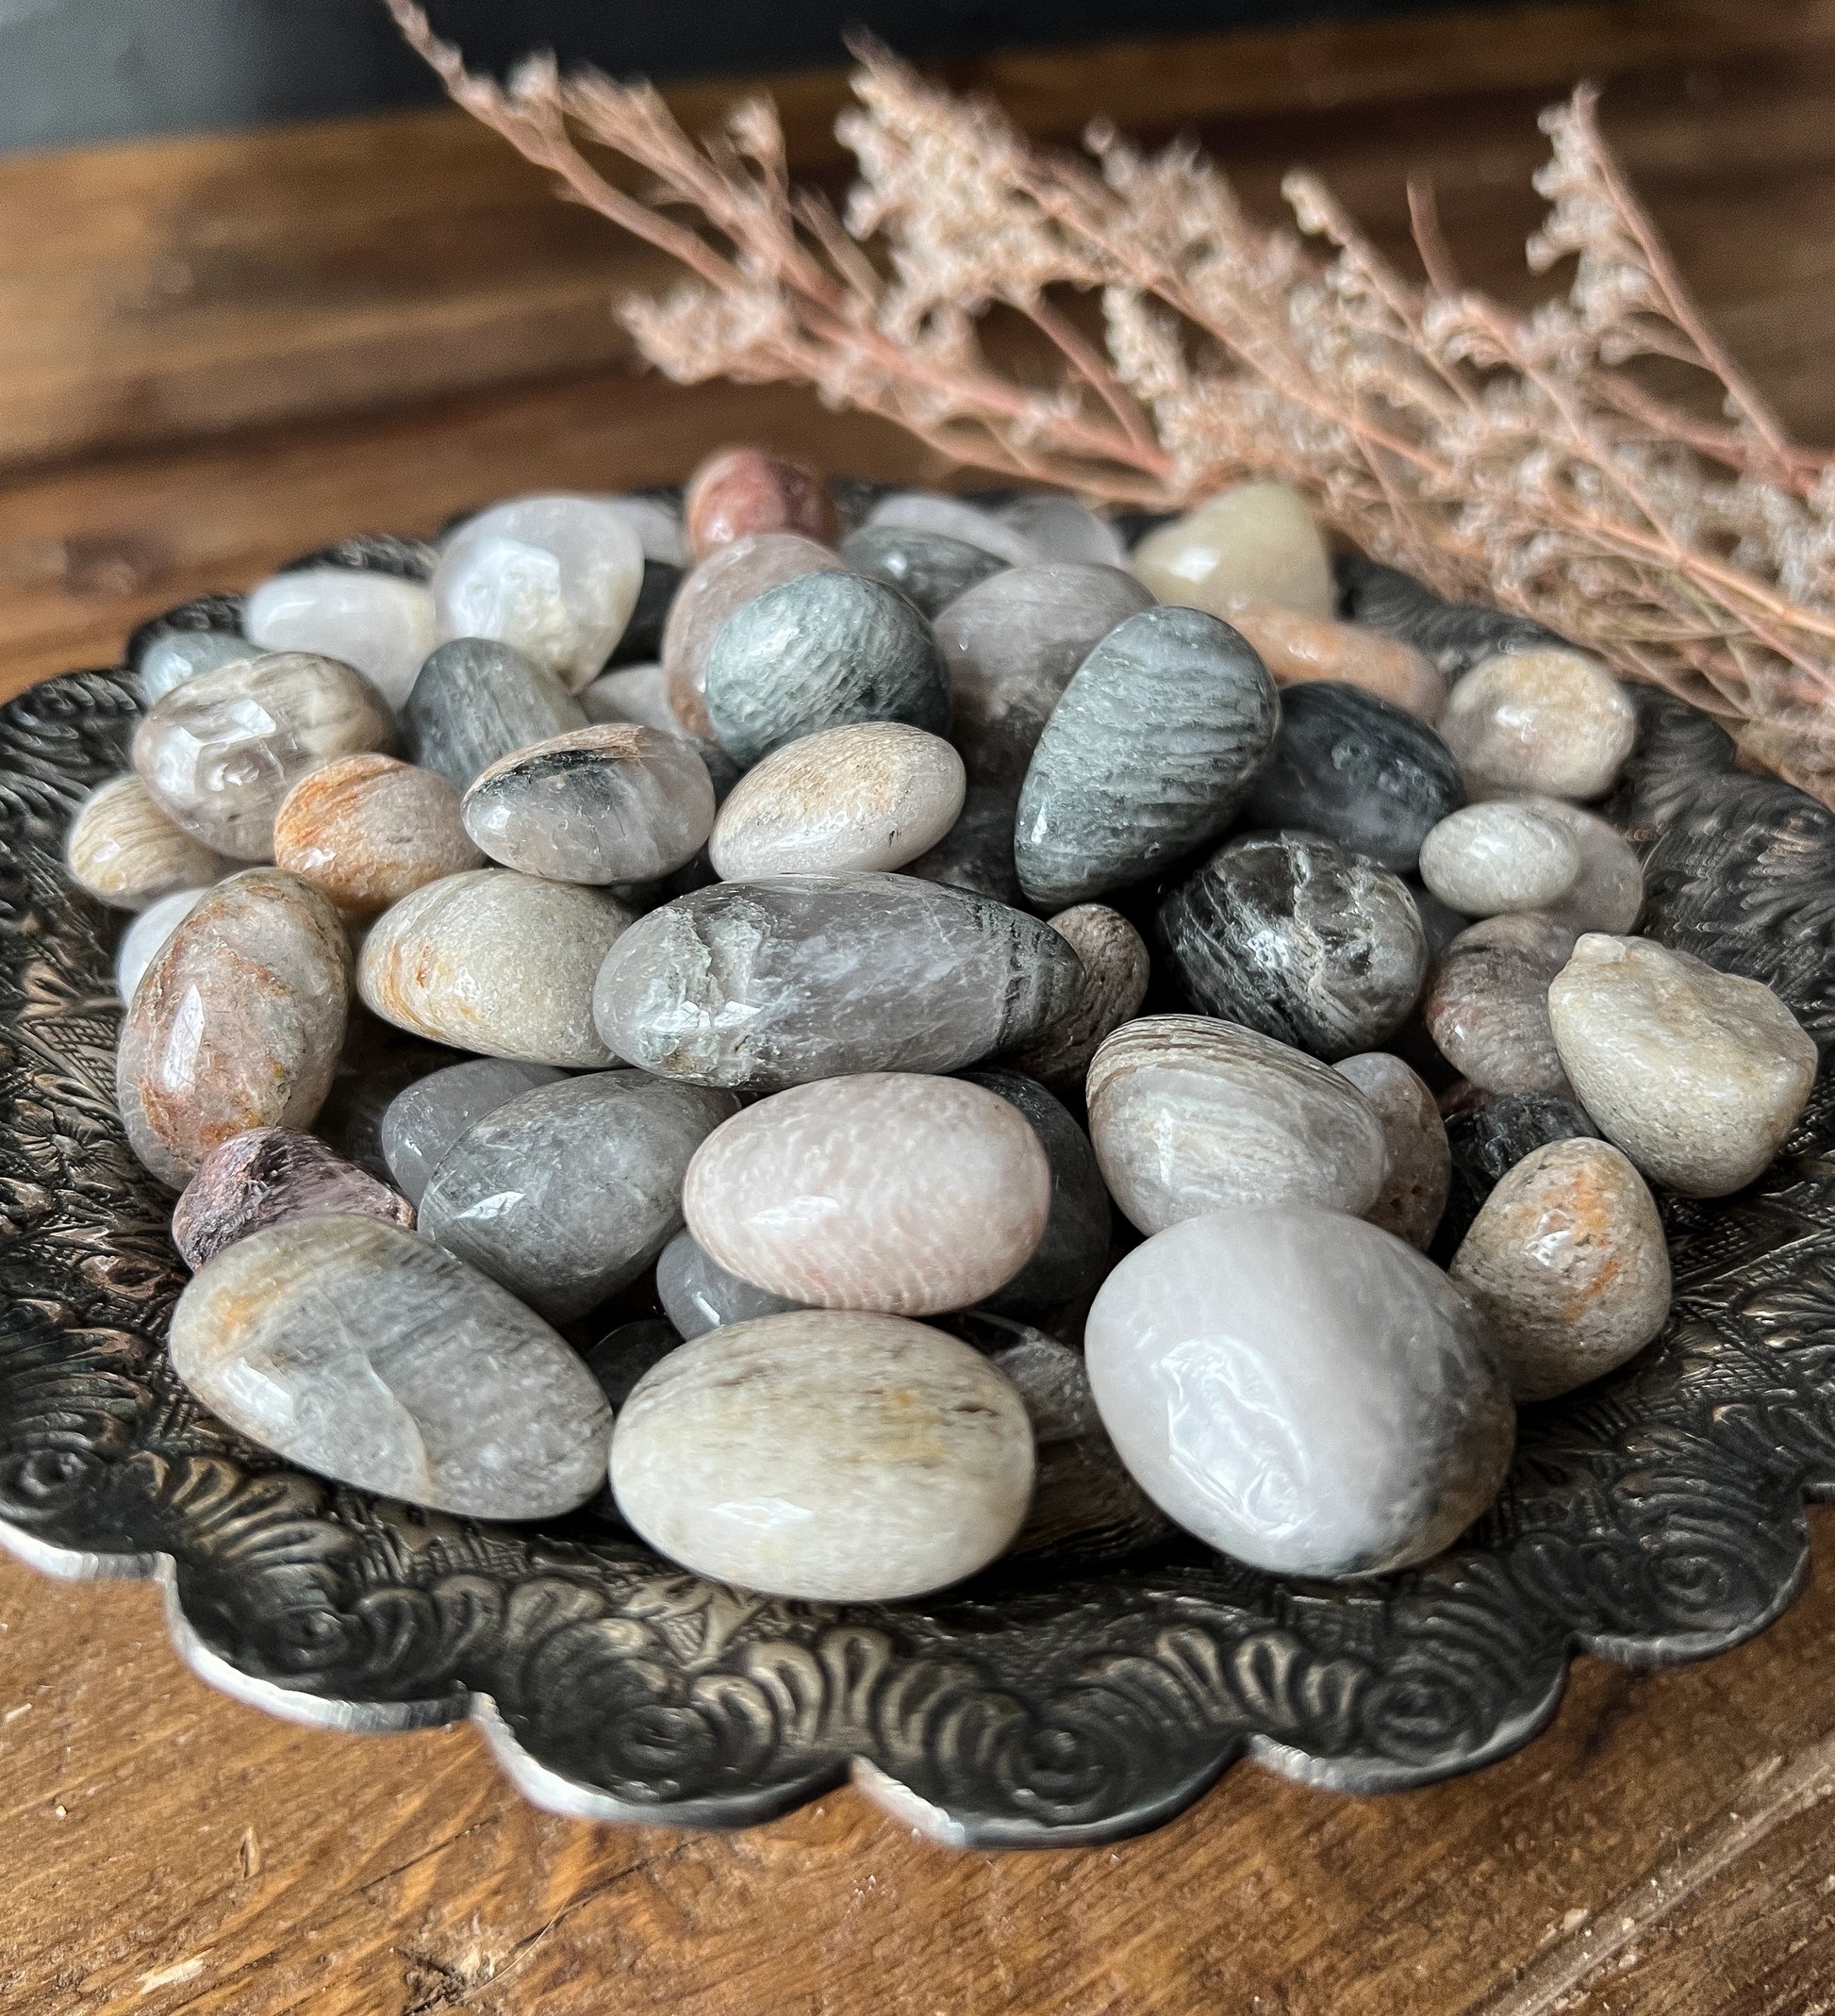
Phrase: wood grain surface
(1666, 1849)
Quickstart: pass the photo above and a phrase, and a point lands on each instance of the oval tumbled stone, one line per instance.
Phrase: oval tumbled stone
(474, 700)
(886, 1191)
(423, 1120)
(770, 983)
(370, 1355)
(929, 569)
(366, 830)
(126, 852)
(827, 1456)
(699, 1295)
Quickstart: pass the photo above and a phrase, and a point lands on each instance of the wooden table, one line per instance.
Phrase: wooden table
(1668, 1846)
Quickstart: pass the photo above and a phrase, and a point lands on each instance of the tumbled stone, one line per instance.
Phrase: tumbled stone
(1256, 542)
(873, 794)
(769, 983)
(954, 517)
(1413, 1192)
(1455, 636)
(368, 1354)
(1488, 1140)
(1115, 973)
(699, 1295)
(1567, 1265)
(1358, 770)
(556, 576)
(1486, 1004)
(1060, 528)
(1011, 644)
(424, 1119)
(1696, 1075)
(366, 830)
(626, 1352)
(1549, 719)
(1298, 938)
(637, 693)
(142, 940)
(928, 569)
(379, 623)
(496, 962)
(819, 652)
(237, 1022)
(265, 1177)
(124, 851)
(1072, 1254)
(1301, 1390)
(887, 1190)
(1609, 892)
(1487, 859)
(1189, 1115)
(474, 700)
(1299, 650)
(976, 854)
(170, 660)
(657, 519)
(742, 491)
(609, 804)
(221, 751)
(566, 1193)
(202, 615)
(826, 1456)
(710, 593)
(1147, 756)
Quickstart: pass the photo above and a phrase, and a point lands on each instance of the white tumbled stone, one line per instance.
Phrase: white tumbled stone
(1486, 859)
(1254, 543)
(1609, 892)
(1059, 528)
(377, 622)
(1550, 721)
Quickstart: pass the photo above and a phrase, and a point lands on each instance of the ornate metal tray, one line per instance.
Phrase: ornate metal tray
(1657, 1518)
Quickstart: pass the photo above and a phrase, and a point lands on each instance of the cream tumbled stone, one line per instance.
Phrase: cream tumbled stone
(1414, 1194)
(889, 1191)
(1697, 1075)
(126, 852)
(1550, 721)
(1256, 542)
(825, 1456)
(378, 623)
(1486, 859)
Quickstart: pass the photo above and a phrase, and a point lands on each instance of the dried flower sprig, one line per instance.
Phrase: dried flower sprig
(1515, 459)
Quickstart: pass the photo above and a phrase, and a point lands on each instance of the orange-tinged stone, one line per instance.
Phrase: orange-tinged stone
(1297, 647)
(367, 830)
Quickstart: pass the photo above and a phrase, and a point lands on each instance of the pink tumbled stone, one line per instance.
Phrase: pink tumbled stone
(748, 490)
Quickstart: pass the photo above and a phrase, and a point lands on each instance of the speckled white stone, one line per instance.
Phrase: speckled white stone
(378, 623)
(1413, 1194)
(126, 852)
(141, 942)
(1483, 859)
(1609, 892)
(1256, 542)
(1552, 720)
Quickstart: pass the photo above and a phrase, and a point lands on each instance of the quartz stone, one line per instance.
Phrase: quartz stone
(610, 804)
(1490, 858)
(928, 569)
(1011, 644)
(474, 700)
(819, 652)
(953, 518)
(626, 1352)
(1550, 721)
(1567, 1265)
(976, 854)
(124, 851)
(1059, 528)
(1147, 756)
(1699, 1076)
(170, 660)
(1298, 938)
(873, 794)
(266, 1176)
(1454, 636)
(1072, 1254)
(566, 1194)
(1487, 1141)
(202, 615)
(1413, 1192)
(379, 623)
(556, 576)
(142, 940)
(237, 1022)
(1299, 650)
(364, 1352)
(699, 1295)
(1609, 892)
(366, 830)
(1115, 973)
(1301, 1390)
(426, 1118)
(1486, 1005)
(740, 491)
(1189, 1115)
(1357, 771)
(887, 1190)
(1254, 543)
(710, 593)
(221, 751)
(826, 1456)
(495, 963)
(761, 984)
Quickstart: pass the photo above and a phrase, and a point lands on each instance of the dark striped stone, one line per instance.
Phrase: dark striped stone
(474, 702)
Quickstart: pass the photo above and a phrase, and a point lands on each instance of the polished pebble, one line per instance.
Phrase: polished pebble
(1549, 720)
(1414, 1192)
(1147, 756)
(657, 522)
(1189, 1115)
(181, 654)
(1486, 1004)
(976, 854)
(377, 622)
(1254, 543)
(609, 804)
(1116, 972)
(1298, 938)
(237, 1022)
(1696, 1075)
(366, 830)
(825, 1456)
(474, 700)
(927, 569)
(956, 519)
(221, 751)
(1609, 892)
(1060, 528)
(699, 1295)
(495, 963)
(566, 1193)
(1301, 650)
(366, 1353)
(266, 1176)
(142, 940)
(1072, 1254)
(637, 693)
(424, 1118)
(874, 795)
(1301, 1390)
(1487, 1141)
(124, 851)
(887, 1190)
(770, 983)
(742, 491)
(710, 593)
(1486, 859)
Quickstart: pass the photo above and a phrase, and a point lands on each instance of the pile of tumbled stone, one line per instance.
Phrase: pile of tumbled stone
(750, 904)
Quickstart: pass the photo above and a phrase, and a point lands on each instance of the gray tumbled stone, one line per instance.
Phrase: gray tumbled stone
(928, 569)
(423, 1120)
(1072, 1253)
(699, 1295)
(474, 700)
